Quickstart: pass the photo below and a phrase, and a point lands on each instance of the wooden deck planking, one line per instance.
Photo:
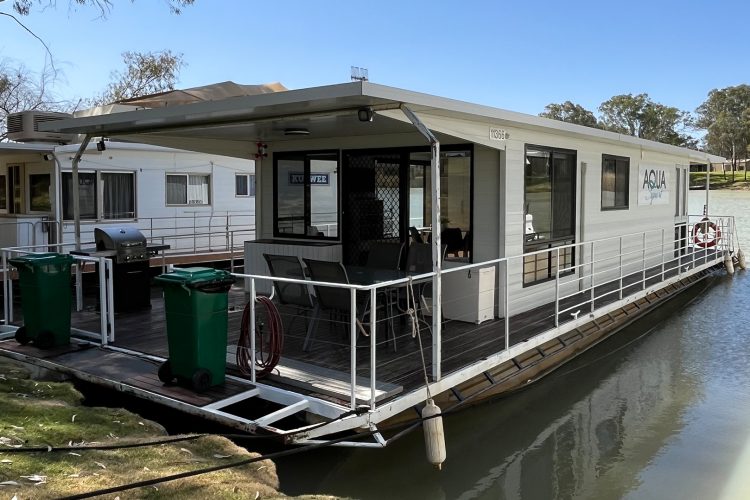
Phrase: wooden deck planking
(463, 343)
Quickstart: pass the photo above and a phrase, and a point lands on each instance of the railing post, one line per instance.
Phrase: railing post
(231, 251)
(593, 294)
(643, 261)
(103, 309)
(79, 291)
(620, 267)
(373, 343)
(252, 329)
(557, 289)
(110, 299)
(194, 234)
(7, 306)
(507, 307)
(692, 257)
(226, 230)
(353, 348)
(662, 254)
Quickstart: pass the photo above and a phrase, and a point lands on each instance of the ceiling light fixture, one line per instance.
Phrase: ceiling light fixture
(296, 131)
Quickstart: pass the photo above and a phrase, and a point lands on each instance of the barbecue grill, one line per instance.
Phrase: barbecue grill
(128, 243)
(131, 257)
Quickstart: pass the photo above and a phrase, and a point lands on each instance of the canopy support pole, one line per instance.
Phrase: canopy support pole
(76, 193)
(437, 254)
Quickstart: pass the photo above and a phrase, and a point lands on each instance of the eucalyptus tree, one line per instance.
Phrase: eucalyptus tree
(725, 115)
(571, 113)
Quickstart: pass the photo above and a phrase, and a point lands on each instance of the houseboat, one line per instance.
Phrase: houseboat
(409, 247)
(194, 202)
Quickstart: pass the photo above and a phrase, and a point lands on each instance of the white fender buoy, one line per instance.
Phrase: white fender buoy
(434, 437)
(728, 264)
(741, 259)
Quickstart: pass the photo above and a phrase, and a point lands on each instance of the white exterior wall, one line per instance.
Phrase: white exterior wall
(592, 222)
(155, 218)
(26, 228)
(498, 209)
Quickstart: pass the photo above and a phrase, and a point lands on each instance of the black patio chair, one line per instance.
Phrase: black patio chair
(415, 235)
(453, 239)
(290, 294)
(333, 299)
(385, 255)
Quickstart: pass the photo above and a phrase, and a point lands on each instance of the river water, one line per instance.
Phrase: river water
(660, 411)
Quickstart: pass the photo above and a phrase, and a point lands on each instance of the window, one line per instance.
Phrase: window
(117, 191)
(306, 194)
(188, 189)
(550, 201)
(86, 195)
(244, 185)
(3, 193)
(118, 195)
(39, 200)
(615, 182)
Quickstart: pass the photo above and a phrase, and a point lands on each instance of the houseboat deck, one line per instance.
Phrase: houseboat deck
(323, 370)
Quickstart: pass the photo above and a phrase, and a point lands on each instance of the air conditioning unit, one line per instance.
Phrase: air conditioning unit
(24, 127)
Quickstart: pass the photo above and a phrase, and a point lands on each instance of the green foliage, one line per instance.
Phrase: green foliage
(145, 73)
(639, 116)
(725, 115)
(571, 113)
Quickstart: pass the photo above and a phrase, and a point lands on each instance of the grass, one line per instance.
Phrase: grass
(720, 180)
(40, 413)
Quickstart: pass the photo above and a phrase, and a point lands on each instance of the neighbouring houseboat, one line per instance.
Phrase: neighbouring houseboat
(412, 247)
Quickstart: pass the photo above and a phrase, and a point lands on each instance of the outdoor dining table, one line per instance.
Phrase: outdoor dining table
(362, 275)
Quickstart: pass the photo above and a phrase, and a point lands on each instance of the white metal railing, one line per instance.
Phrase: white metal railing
(105, 280)
(197, 233)
(603, 275)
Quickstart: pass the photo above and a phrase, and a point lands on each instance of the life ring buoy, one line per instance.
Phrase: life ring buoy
(706, 234)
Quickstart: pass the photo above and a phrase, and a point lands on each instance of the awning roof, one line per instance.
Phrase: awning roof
(213, 92)
(19, 147)
(232, 126)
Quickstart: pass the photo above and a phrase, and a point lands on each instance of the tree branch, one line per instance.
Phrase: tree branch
(49, 52)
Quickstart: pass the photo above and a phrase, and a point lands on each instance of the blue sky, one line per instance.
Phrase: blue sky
(515, 55)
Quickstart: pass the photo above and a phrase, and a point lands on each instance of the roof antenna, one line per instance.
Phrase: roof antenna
(359, 74)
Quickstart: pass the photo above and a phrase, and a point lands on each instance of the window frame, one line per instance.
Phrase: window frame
(247, 180)
(29, 196)
(96, 194)
(552, 244)
(100, 194)
(187, 176)
(305, 157)
(616, 159)
(4, 190)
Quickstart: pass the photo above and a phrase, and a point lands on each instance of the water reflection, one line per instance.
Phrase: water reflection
(662, 415)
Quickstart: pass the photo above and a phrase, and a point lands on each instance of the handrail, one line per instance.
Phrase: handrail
(590, 269)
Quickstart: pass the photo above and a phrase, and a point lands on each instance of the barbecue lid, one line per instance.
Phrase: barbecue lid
(112, 238)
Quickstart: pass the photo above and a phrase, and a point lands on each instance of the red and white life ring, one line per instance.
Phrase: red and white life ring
(706, 234)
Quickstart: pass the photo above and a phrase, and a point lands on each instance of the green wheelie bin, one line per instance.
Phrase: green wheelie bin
(45, 298)
(195, 301)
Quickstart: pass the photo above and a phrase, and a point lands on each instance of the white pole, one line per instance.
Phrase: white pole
(76, 194)
(437, 254)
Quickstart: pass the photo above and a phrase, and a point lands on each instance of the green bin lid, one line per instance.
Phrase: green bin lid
(192, 276)
(41, 259)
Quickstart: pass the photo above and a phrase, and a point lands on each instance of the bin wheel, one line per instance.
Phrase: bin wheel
(45, 339)
(165, 372)
(21, 336)
(201, 380)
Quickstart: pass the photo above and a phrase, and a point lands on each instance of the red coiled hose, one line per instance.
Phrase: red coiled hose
(269, 338)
